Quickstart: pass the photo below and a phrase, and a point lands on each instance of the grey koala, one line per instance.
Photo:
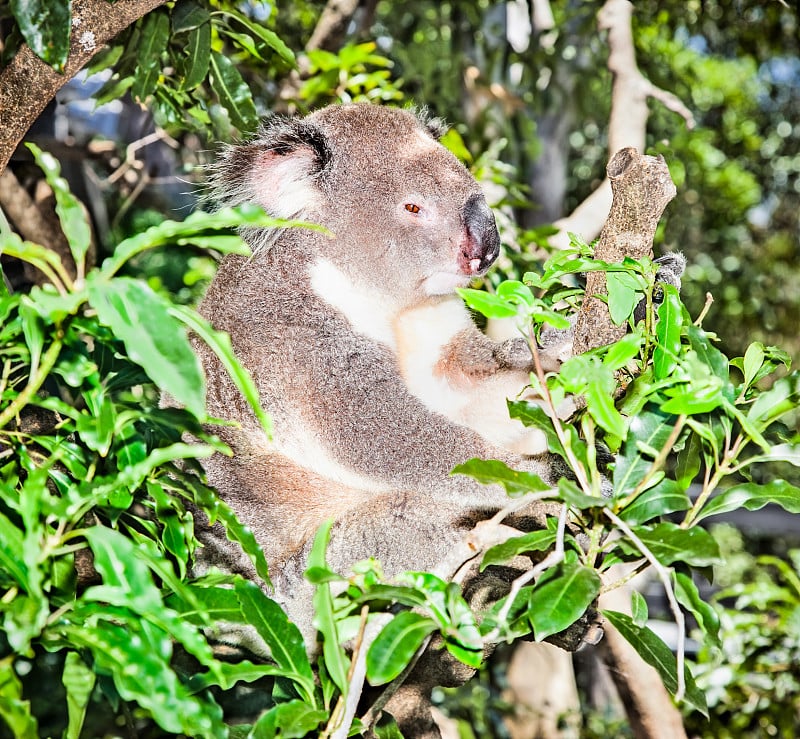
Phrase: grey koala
(316, 320)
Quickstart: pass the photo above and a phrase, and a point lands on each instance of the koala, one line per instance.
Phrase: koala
(361, 352)
(321, 320)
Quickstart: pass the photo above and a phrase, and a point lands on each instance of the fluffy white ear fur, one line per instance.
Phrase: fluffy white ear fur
(284, 184)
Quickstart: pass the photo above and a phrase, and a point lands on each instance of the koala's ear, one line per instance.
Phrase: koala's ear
(435, 127)
(278, 170)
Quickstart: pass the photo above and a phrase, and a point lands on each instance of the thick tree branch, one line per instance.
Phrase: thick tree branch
(27, 84)
(642, 188)
(627, 126)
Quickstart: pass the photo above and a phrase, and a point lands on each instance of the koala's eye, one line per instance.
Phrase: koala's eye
(412, 208)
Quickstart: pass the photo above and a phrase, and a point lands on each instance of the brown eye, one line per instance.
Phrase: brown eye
(412, 208)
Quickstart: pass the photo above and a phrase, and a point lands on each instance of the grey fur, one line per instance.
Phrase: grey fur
(313, 318)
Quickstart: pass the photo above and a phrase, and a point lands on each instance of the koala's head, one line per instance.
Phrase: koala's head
(403, 210)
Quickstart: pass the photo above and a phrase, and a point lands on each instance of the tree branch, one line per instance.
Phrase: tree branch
(642, 188)
(627, 125)
(28, 84)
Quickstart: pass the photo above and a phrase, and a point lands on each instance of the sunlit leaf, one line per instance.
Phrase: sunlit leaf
(493, 471)
(561, 597)
(668, 332)
(45, 25)
(396, 644)
(753, 497)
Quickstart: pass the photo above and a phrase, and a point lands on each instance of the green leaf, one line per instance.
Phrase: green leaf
(188, 15)
(73, 219)
(687, 465)
(535, 541)
(658, 655)
(220, 343)
(45, 25)
(493, 471)
(233, 93)
(143, 321)
(753, 359)
(623, 295)
(15, 711)
(668, 333)
(193, 64)
(689, 597)
(152, 45)
(621, 352)
(396, 644)
(753, 497)
(710, 355)
(638, 608)
(602, 409)
(336, 662)
(561, 597)
(666, 497)
(490, 305)
(781, 398)
(270, 38)
(573, 496)
(293, 720)
(531, 414)
(670, 543)
(78, 680)
(132, 641)
(281, 636)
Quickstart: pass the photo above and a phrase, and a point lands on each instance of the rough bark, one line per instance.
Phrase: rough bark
(642, 188)
(650, 710)
(27, 84)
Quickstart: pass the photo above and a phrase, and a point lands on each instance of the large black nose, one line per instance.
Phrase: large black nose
(483, 240)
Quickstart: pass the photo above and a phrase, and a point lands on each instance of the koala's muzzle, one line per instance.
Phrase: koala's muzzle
(481, 242)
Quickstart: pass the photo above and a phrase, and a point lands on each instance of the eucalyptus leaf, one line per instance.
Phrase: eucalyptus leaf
(45, 25)
(561, 597)
(232, 92)
(658, 655)
(395, 645)
(493, 471)
(753, 497)
(668, 333)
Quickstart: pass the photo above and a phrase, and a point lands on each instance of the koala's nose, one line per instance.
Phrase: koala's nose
(482, 243)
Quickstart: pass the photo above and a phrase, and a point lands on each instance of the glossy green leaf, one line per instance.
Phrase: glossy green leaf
(574, 497)
(281, 636)
(782, 397)
(670, 543)
(665, 497)
(196, 59)
(689, 597)
(336, 661)
(220, 343)
(623, 295)
(232, 92)
(294, 720)
(270, 38)
(152, 684)
(490, 305)
(658, 655)
(561, 597)
(217, 509)
(70, 213)
(396, 644)
(14, 710)
(621, 352)
(753, 497)
(151, 47)
(78, 680)
(535, 541)
(668, 333)
(709, 354)
(531, 414)
(153, 338)
(602, 409)
(687, 465)
(188, 15)
(493, 471)
(638, 608)
(45, 25)
(753, 359)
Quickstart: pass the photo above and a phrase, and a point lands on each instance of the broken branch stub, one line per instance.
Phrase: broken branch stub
(642, 188)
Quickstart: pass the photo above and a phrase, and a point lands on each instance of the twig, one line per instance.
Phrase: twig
(663, 575)
(551, 560)
(706, 308)
(345, 709)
